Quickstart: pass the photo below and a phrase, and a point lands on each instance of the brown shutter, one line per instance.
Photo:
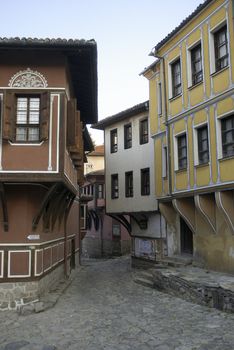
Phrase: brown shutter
(71, 122)
(44, 115)
(8, 117)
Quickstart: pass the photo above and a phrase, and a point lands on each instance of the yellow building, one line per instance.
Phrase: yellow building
(192, 124)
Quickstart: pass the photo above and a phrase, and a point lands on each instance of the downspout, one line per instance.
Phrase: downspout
(154, 53)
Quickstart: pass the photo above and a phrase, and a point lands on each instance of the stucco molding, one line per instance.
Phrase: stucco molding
(224, 201)
(206, 207)
(28, 79)
(187, 211)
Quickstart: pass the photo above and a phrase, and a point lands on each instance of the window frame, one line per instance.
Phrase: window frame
(114, 140)
(127, 136)
(200, 149)
(27, 125)
(10, 116)
(217, 46)
(129, 184)
(145, 181)
(114, 187)
(100, 191)
(174, 75)
(180, 148)
(193, 61)
(225, 154)
(144, 133)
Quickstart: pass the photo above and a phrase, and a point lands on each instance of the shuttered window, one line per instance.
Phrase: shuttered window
(26, 117)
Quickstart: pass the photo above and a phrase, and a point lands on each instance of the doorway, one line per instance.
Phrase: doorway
(186, 238)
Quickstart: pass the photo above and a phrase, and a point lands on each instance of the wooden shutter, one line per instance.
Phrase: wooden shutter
(8, 131)
(71, 122)
(44, 115)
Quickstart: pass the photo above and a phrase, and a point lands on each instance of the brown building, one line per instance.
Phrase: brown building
(48, 93)
(103, 234)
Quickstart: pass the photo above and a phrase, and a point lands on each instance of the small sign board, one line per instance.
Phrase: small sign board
(33, 237)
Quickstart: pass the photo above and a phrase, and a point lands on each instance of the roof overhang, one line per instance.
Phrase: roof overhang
(82, 62)
(137, 109)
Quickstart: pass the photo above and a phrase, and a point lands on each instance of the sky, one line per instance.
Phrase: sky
(125, 32)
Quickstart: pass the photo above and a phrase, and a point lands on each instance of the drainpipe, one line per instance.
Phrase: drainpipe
(154, 53)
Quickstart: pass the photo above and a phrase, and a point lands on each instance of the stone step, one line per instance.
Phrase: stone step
(176, 261)
(144, 282)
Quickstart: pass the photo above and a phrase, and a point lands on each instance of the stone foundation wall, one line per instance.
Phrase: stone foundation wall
(14, 295)
(203, 294)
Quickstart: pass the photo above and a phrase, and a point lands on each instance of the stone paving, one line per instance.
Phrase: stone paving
(103, 309)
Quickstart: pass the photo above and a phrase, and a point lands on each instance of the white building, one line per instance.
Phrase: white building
(130, 187)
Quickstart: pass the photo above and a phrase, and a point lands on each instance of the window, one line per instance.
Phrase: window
(176, 78)
(127, 136)
(196, 65)
(145, 182)
(26, 117)
(221, 48)
(182, 151)
(164, 161)
(144, 137)
(203, 145)
(114, 186)
(114, 140)
(227, 131)
(159, 99)
(129, 184)
(100, 193)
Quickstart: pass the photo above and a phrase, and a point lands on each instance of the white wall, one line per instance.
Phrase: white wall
(133, 159)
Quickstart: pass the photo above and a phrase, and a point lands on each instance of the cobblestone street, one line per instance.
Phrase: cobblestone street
(104, 309)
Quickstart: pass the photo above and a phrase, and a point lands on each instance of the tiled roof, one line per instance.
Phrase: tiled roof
(139, 108)
(57, 42)
(182, 24)
(98, 151)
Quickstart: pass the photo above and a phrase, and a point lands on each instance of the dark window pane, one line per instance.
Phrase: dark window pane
(144, 137)
(114, 186)
(129, 184)
(203, 145)
(196, 62)
(182, 151)
(114, 141)
(227, 128)
(176, 78)
(221, 48)
(145, 182)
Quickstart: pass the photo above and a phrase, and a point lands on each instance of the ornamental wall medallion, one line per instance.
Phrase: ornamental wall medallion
(28, 79)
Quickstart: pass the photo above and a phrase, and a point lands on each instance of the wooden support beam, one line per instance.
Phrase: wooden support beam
(4, 207)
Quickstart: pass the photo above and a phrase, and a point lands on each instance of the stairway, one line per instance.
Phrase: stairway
(146, 277)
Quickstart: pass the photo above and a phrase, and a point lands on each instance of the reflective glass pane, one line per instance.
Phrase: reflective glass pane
(33, 134)
(21, 113)
(21, 134)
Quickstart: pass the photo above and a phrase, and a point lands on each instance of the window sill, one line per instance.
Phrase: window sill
(26, 143)
(177, 171)
(195, 85)
(219, 71)
(226, 158)
(202, 165)
(174, 97)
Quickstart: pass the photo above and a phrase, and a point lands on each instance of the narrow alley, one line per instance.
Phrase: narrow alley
(104, 309)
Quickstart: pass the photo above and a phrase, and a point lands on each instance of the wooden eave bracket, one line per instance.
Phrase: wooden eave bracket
(123, 221)
(141, 221)
(45, 201)
(4, 208)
